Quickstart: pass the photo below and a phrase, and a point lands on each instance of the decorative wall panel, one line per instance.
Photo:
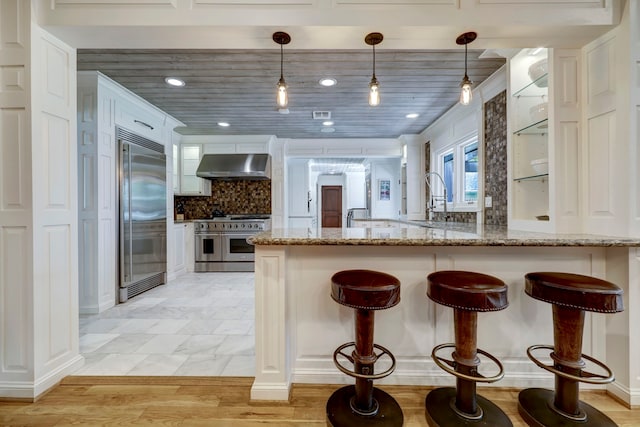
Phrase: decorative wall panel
(62, 3)
(601, 78)
(12, 32)
(57, 156)
(254, 2)
(567, 144)
(13, 157)
(599, 164)
(56, 286)
(14, 296)
(56, 78)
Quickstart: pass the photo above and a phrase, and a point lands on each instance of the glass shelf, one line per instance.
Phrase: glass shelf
(535, 88)
(540, 177)
(537, 128)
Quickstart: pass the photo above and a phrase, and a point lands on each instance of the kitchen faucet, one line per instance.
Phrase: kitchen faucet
(434, 198)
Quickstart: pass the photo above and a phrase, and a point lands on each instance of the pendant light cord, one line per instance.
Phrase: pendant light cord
(282, 60)
(374, 60)
(465, 59)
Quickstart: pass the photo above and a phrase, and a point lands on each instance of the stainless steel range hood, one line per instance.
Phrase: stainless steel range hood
(235, 166)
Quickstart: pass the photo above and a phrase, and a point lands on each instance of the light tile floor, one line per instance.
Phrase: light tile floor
(197, 324)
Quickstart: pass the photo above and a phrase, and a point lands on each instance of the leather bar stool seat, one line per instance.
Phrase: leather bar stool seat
(467, 293)
(571, 295)
(371, 290)
(361, 404)
(467, 290)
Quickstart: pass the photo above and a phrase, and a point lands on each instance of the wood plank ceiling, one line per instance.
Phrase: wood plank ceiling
(238, 87)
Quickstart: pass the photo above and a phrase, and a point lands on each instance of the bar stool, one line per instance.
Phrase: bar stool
(363, 404)
(467, 293)
(571, 295)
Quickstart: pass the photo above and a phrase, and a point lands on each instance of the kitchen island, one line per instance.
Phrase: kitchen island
(298, 325)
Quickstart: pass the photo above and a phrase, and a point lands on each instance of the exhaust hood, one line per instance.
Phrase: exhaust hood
(235, 166)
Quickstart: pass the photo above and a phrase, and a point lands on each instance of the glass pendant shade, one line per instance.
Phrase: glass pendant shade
(372, 39)
(465, 86)
(282, 98)
(465, 91)
(374, 92)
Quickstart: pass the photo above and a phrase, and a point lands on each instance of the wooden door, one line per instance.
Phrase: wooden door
(331, 206)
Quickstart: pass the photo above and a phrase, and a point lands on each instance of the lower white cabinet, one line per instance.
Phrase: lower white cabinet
(179, 255)
(182, 256)
(189, 247)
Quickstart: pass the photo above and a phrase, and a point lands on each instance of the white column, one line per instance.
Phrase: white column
(38, 207)
(274, 343)
(415, 176)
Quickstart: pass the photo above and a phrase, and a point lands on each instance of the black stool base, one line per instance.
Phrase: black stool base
(439, 411)
(339, 412)
(534, 408)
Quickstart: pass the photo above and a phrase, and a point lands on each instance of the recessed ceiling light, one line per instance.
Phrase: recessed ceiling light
(412, 115)
(328, 81)
(223, 124)
(173, 81)
(327, 130)
(327, 123)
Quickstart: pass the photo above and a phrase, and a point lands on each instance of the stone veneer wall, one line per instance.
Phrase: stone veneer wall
(495, 159)
(231, 197)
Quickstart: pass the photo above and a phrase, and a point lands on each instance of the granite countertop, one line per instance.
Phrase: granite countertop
(433, 234)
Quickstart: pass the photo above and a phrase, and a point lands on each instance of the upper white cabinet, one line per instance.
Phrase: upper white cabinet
(190, 184)
(299, 194)
(543, 147)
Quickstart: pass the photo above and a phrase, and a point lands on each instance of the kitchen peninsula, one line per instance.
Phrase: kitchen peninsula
(298, 325)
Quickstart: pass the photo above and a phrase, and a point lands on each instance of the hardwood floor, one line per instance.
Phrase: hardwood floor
(224, 401)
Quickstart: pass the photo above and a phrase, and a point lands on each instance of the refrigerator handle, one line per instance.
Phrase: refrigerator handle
(130, 222)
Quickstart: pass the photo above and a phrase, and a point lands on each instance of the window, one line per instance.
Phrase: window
(471, 172)
(447, 169)
(459, 168)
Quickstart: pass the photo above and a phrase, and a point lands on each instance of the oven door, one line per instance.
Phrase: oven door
(236, 248)
(208, 247)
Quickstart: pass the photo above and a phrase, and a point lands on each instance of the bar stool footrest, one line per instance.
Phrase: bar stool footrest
(586, 377)
(535, 406)
(351, 373)
(340, 414)
(444, 365)
(440, 411)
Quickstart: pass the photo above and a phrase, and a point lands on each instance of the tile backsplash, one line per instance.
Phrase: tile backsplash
(231, 197)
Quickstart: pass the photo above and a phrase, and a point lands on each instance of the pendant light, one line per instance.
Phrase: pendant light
(282, 98)
(372, 39)
(465, 85)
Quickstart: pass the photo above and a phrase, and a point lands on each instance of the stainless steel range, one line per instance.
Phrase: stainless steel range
(221, 243)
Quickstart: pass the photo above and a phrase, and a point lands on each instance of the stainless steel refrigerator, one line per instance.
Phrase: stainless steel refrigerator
(143, 214)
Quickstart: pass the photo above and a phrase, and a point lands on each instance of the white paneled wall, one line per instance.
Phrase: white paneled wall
(16, 211)
(38, 206)
(55, 225)
(606, 143)
(96, 186)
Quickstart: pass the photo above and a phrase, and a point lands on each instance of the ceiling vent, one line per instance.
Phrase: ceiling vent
(321, 115)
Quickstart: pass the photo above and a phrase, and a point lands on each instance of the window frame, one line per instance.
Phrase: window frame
(458, 204)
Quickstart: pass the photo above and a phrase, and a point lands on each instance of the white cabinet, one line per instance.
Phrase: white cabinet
(179, 260)
(189, 247)
(530, 136)
(299, 195)
(543, 150)
(190, 184)
(103, 105)
(143, 121)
